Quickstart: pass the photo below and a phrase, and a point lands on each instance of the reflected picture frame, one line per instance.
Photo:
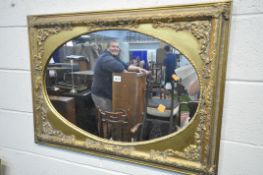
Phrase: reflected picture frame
(198, 31)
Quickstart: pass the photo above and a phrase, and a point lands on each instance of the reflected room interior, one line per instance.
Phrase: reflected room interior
(144, 107)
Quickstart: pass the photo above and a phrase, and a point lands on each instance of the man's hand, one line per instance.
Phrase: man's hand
(144, 71)
(138, 69)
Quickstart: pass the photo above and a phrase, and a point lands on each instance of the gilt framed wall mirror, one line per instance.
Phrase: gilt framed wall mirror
(139, 85)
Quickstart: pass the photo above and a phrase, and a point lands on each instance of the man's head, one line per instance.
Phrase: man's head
(113, 48)
(167, 48)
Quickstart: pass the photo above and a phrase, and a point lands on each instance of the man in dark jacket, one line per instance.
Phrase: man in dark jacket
(169, 63)
(108, 62)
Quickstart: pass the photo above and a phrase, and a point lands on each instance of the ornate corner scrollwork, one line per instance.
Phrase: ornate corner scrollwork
(45, 130)
(223, 9)
(43, 33)
(191, 152)
(201, 31)
(209, 170)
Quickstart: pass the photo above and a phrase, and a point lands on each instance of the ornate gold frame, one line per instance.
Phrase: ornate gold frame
(199, 31)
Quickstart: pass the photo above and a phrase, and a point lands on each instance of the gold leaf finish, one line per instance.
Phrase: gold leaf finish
(199, 31)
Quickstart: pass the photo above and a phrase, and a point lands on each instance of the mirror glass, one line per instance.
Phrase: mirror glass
(122, 85)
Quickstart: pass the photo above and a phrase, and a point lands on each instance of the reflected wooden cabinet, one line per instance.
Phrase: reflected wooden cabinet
(65, 106)
(128, 94)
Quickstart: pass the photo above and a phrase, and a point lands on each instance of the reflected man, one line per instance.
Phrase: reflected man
(108, 63)
(169, 63)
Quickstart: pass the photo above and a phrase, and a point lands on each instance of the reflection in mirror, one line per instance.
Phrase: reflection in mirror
(122, 85)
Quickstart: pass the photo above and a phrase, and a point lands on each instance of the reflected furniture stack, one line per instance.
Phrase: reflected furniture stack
(128, 94)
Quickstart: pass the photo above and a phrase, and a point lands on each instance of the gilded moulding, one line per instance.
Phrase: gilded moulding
(202, 22)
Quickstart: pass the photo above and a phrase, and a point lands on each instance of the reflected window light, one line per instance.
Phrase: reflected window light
(70, 43)
(85, 36)
(183, 61)
(52, 60)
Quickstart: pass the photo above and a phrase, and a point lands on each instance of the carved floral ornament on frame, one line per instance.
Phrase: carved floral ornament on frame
(197, 34)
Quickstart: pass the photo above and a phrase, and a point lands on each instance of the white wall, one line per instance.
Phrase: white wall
(242, 133)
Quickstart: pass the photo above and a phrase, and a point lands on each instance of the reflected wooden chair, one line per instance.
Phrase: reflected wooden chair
(115, 126)
(169, 116)
(156, 78)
